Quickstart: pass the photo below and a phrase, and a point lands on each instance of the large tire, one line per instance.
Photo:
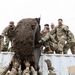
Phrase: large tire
(27, 31)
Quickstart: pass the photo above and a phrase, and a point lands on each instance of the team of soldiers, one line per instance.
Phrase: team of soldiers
(59, 40)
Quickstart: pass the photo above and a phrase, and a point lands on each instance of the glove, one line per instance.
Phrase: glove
(40, 41)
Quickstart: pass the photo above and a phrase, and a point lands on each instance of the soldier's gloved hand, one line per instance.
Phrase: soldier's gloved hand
(40, 41)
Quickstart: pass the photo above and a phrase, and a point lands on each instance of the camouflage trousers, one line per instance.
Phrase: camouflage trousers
(1, 43)
(60, 46)
(68, 46)
(52, 45)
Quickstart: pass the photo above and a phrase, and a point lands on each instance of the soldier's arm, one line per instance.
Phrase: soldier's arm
(52, 38)
(66, 28)
(45, 38)
(70, 34)
(4, 31)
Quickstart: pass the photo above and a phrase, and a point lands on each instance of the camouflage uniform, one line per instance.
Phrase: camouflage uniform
(1, 42)
(54, 47)
(70, 43)
(8, 33)
(61, 37)
(42, 33)
(46, 44)
(49, 39)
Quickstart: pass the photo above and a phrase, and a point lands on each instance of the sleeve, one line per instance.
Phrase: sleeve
(52, 38)
(70, 34)
(4, 31)
(66, 28)
(45, 38)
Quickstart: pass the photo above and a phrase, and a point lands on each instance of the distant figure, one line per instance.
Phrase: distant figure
(9, 33)
(52, 26)
(52, 32)
(43, 33)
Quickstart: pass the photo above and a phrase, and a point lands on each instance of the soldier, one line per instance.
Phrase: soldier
(54, 47)
(61, 35)
(9, 33)
(45, 30)
(52, 29)
(49, 41)
(43, 33)
(52, 26)
(70, 43)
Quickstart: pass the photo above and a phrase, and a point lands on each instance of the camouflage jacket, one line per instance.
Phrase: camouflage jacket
(70, 36)
(49, 37)
(61, 32)
(8, 32)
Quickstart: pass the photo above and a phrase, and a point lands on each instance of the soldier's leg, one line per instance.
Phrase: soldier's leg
(47, 47)
(60, 46)
(73, 49)
(54, 47)
(2, 42)
(41, 49)
(7, 42)
(11, 41)
(66, 47)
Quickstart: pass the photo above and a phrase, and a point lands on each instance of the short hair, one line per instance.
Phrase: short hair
(46, 25)
(11, 22)
(60, 19)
